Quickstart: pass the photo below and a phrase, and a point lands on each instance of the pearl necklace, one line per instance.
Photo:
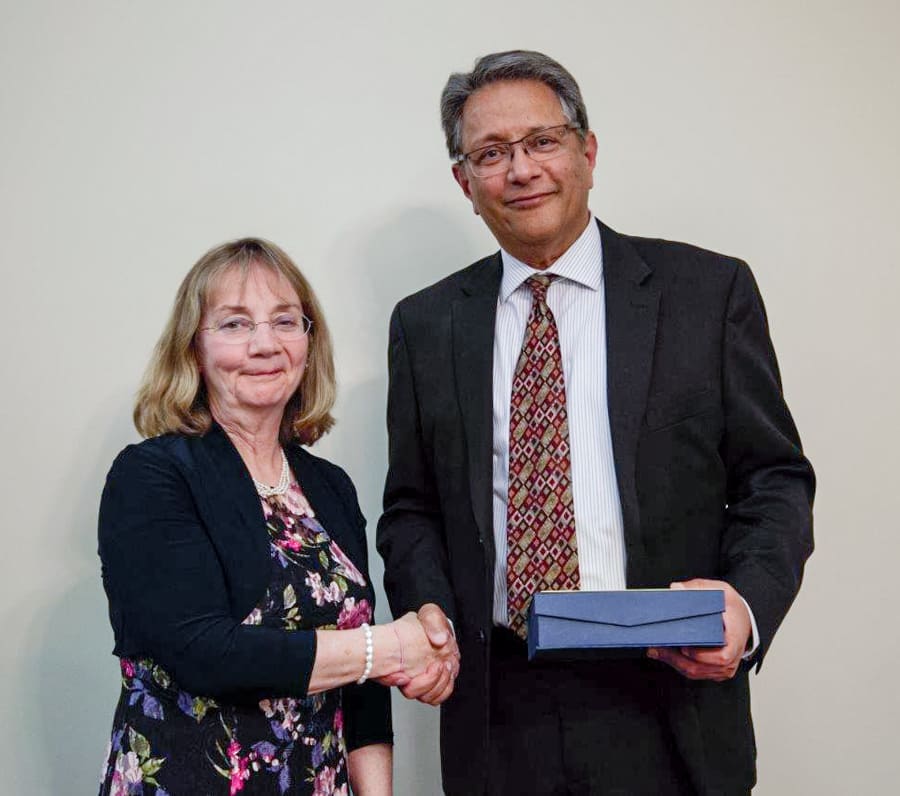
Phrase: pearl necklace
(264, 490)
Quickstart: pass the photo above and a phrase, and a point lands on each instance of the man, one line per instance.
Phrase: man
(618, 424)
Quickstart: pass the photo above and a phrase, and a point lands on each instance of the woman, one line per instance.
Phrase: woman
(235, 561)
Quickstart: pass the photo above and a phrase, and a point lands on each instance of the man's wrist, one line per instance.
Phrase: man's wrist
(753, 640)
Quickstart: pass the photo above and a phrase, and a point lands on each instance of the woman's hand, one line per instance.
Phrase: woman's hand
(404, 654)
(429, 656)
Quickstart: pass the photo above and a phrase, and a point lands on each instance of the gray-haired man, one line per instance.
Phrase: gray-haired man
(618, 424)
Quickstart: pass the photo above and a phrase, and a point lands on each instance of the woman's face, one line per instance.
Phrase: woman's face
(260, 375)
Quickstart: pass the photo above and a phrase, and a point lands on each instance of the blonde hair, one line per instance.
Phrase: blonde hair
(172, 396)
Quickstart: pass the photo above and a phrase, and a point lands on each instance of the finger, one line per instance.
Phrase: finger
(424, 682)
(429, 684)
(671, 656)
(392, 680)
(690, 668)
(677, 660)
(452, 666)
(713, 656)
(437, 689)
(417, 687)
(449, 652)
(445, 694)
(433, 696)
(435, 624)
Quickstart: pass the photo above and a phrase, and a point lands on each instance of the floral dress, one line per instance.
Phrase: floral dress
(167, 742)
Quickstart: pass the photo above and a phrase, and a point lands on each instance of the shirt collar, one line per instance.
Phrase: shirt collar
(582, 262)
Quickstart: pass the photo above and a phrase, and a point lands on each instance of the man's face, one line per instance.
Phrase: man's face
(536, 209)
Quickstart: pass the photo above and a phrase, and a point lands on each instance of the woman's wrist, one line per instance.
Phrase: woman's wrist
(369, 641)
(387, 645)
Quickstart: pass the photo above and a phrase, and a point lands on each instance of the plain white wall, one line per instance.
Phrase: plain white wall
(133, 136)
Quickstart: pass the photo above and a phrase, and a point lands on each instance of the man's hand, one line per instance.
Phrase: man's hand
(711, 663)
(436, 683)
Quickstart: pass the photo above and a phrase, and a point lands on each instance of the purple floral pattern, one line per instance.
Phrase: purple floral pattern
(167, 742)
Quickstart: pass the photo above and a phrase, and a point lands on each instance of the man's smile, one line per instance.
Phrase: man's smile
(531, 200)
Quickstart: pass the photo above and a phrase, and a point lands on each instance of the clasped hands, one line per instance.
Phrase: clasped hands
(711, 663)
(429, 656)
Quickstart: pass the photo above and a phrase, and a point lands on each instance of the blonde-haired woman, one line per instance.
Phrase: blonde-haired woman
(235, 561)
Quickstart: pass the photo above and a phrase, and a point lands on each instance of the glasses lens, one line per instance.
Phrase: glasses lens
(291, 326)
(489, 159)
(546, 143)
(288, 326)
(235, 329)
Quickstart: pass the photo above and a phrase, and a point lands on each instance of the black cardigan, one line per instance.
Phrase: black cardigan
(185, 557)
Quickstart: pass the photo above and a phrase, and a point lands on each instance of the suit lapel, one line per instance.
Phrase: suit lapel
(632, 308)
(472, 320)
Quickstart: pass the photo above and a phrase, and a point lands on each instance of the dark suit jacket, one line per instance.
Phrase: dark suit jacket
(185, 556)
(710, 472)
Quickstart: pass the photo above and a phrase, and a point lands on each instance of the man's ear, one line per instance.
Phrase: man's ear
(462, 179)
(590, 153)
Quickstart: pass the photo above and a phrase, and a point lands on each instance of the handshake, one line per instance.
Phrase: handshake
(424, 654)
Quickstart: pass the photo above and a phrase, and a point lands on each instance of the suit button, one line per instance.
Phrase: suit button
(480, 636)
(481, 540)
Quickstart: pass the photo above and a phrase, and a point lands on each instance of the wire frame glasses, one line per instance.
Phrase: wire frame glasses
(541, 145)
(240, 329)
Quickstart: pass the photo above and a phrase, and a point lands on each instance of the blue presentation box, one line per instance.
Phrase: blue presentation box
(578, 624)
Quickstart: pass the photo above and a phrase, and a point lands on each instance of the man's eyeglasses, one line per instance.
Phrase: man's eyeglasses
(495, 158)
(240, 329)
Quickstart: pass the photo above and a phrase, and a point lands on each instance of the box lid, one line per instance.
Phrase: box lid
(628, 608)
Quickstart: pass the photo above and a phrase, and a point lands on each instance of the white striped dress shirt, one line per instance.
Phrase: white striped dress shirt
(576, 298)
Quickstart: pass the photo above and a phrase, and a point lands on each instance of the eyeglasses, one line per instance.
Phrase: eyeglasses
(240, 329)
(495, 158)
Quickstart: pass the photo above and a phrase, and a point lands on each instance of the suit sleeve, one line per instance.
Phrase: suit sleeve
(768, 533)
(168, 594)
(411, 531)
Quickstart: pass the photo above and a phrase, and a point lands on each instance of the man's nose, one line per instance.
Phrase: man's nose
(522, 166)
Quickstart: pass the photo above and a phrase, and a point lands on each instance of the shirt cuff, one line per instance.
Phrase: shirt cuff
(750, 652)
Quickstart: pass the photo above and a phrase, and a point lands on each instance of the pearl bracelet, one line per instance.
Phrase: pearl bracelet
(370, 654)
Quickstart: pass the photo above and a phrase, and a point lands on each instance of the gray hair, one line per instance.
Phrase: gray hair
(511, 65)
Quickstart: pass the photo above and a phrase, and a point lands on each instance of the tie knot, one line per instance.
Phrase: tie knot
(538, 286)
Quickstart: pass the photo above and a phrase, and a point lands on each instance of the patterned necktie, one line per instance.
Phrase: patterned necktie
(540, 518)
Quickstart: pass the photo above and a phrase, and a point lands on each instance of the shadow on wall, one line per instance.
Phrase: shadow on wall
(413, 249)
(70, 681)
(403, 254)
(398, 256)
